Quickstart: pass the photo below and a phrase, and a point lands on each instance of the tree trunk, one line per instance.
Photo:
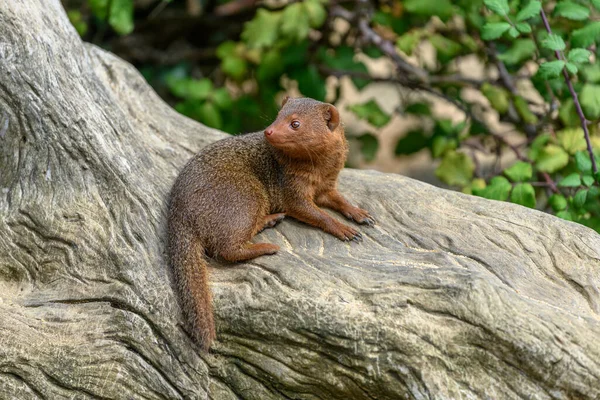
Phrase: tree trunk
(448, 297)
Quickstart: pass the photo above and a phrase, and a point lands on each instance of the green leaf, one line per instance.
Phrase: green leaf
(497, 97)
(316, 12)
(500, 7)
(524, 111)
(444, 126)
(476, 184)
(551, 69)
(409, 41)
(572, 68)
(587, 35)
(456, 169)
(418, 109)
(226, 49)
(372, 52)
(493, 30)
(234, 67)
(368, 146)
(209, 115)
(199, 89)
(263, 29)
(596, 4)
(523, 194)
(385, 18)
(580, 198)
(371, 112)
(557, 202)
(295, 22)
(513, 32)
(412, 142)
(477, 128)
(520, 51)
(538, 145)
(222, 99)
(519, 171)
(271, 66)
(121, 16)
(295, 56)
(441, 144)
(498, 189)
(582, 161)
(469, 43)
(179, 87)
(573, 11)
(567, 113)
(579, 56)
(310, 82)
(587, 180)
(530, 10)
(553, 42)
(344, 59)
(592, 222)
(552, 158)
(99, 8)
(445, 47)
(441, 8)
(572, 180)
(590, 100)
(571, 139)
(566, 215)
(77, 21)
(523, 27)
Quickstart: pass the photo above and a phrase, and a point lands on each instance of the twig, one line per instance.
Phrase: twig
(575, 98)
(384, 45)
(505, 76)
(158, 9)
(550, 182)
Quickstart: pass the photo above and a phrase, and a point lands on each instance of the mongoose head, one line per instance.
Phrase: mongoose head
(305, 128)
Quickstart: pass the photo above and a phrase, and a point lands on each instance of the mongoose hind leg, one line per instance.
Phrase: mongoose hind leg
(270, 221)
(247, 251)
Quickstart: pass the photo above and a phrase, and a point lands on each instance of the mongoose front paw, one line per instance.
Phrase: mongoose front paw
(347, 233)
(360, 216)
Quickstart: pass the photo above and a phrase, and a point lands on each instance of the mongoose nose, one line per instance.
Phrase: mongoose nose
(269, 131)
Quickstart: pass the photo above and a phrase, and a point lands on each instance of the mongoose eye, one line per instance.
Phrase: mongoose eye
(295, 124)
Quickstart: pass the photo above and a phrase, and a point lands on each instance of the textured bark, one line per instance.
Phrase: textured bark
(449, 297)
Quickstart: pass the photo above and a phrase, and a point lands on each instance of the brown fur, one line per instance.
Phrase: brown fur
(238, 186)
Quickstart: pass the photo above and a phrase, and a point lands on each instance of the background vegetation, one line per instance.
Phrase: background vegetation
(227, 63)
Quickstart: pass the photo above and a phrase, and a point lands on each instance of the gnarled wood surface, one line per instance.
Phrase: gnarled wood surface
(449, 296)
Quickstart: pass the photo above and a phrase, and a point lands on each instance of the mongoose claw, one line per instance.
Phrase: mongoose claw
(357, 237)
(360, 216)
(369, 221)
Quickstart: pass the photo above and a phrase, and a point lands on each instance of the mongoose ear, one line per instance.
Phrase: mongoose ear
(332, 116)
(285, 99)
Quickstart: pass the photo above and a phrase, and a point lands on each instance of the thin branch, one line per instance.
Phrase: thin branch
(574, 95)
(505, 76)
(550, 182)
(384, 45)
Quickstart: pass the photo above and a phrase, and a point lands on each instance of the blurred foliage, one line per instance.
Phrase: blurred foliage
(240, 57)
